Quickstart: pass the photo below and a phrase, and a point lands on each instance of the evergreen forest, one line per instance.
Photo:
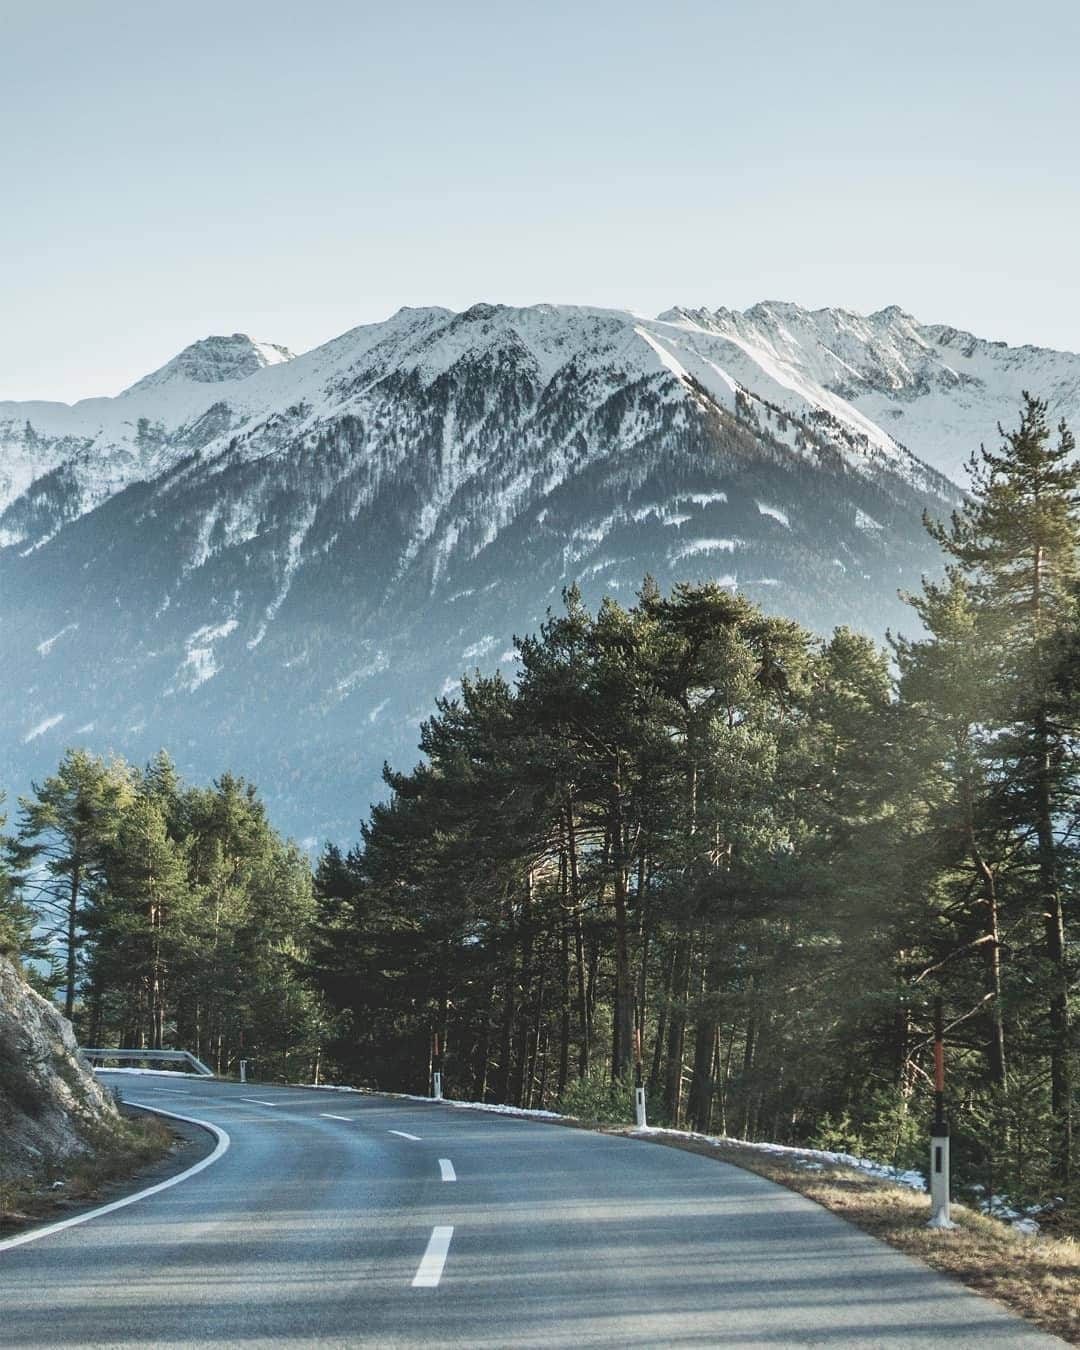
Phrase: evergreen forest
(689, 844)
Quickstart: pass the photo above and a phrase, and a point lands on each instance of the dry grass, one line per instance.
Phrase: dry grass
(117, 1154)
(1037, 1277)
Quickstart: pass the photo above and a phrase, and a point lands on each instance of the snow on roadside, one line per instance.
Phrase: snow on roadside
(812, 1156)
(493, 1108)
(814, 1159)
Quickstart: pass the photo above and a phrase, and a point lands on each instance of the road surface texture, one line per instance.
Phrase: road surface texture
(340, 1220)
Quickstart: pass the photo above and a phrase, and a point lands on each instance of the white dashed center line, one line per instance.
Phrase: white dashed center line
(431, 1265)
(258, 1101)
(403, 1135)
(328, 1115)
(446, 1167)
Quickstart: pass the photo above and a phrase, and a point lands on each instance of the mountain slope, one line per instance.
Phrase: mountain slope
(305, 554)
(881, 383)
(937, 390)
(59, 461)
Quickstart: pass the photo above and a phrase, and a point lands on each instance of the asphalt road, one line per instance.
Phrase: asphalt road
(340, 1220)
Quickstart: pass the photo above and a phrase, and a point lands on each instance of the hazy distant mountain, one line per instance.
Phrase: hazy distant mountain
(275, 563)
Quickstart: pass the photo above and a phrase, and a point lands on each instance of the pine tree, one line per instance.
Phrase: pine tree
(64, 831)
(1015, 548)
(135, 919)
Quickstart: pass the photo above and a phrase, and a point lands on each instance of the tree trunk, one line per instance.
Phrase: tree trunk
(749, 1051)
(506, 1039)
(991, 952)
(676, 1035)
(660, 1038)
(1054, 929)
(624, 987)
(524, 1030)
(644, 942)
(725, 1080)
(564, 1010)
(699, 1103)
(72, 929)
(584, 1008)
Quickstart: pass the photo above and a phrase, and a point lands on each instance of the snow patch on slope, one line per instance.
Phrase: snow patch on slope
(42, 727)
(200, 663)
(44, 648)
(774, 512)
(479, 648)
(696, 546)
(292, 562)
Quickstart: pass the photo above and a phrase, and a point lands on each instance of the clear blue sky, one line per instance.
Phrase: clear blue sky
(293, 169)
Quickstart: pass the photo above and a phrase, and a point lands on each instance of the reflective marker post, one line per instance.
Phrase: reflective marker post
(939, 1131)
(639, 1086)
(243, 1071)
(436, 1074)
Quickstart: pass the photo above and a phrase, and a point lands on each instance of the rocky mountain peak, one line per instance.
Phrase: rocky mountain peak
(215, 359)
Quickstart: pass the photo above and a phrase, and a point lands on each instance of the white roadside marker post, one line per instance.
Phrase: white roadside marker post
(939, 1132)
(639, 1086)
(243, 1071)
(436, 1074)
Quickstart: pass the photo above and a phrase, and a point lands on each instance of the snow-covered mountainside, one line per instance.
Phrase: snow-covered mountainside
(59, 461)
(274, 563)
(937, 390)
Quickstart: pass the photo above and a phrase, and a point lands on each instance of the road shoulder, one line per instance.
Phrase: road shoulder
(190, 1145)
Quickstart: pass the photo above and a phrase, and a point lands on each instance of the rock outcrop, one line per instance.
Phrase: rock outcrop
(51, 1106)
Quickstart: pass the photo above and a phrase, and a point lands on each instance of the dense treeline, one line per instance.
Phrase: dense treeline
(165, 915)
(698, 830)
(691, 840)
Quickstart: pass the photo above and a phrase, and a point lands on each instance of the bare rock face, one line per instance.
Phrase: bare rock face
(51, 1105)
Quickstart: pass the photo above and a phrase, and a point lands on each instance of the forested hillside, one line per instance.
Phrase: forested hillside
(689, 827)
(698, 829)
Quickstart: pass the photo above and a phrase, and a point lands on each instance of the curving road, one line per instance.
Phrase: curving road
(340, 1220)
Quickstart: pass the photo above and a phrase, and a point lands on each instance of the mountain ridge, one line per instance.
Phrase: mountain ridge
(279, 572)
(900, 385)
(102, 445)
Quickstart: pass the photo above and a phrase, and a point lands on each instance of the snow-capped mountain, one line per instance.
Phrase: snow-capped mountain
(58, 461)
(275, 563)
(937, 390)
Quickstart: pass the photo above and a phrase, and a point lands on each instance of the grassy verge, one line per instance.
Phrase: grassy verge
(1037, 1277)
(58, 1185)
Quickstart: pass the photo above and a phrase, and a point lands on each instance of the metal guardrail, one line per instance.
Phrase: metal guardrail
(151, 1056)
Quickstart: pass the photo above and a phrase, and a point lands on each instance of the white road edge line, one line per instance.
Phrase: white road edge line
(403, 1135)
(223, 1142)
(446, 1167)
(258, 1101)
(433, 1260)
(329, 1115)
